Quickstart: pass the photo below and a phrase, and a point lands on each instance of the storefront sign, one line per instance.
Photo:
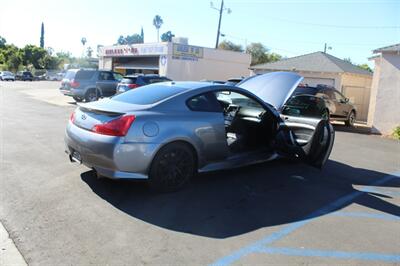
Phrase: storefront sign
(132, 50)
(184, 51)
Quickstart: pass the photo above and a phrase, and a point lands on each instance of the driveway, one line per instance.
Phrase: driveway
(59, 213)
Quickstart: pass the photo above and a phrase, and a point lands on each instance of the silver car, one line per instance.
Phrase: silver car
(167, 132)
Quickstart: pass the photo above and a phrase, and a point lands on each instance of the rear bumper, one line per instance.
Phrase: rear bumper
(108, 155)
(72, 92)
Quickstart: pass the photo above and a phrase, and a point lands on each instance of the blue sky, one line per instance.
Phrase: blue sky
(289, 27)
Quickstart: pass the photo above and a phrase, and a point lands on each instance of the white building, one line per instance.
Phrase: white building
(384, 107)
(175, 60)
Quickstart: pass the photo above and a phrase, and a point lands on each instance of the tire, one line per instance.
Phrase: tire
(350, 120)
(92, 95)
(172, 167)
(77, 99)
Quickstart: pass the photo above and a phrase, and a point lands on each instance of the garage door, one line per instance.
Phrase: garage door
(315, 81)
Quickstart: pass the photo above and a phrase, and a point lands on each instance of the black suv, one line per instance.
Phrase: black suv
(24, 76)
(89, 85)
(338, 106)
(134, 81)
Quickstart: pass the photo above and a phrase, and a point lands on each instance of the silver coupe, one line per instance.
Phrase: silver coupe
(167, 132)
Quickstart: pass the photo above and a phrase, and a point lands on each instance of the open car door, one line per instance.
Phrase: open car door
(305, 133)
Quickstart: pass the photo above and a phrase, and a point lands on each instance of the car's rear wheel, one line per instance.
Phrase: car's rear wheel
(172, 167)
(92, 95)
(351, 119)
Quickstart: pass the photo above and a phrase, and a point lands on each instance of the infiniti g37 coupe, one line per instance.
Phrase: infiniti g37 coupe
(167, 132)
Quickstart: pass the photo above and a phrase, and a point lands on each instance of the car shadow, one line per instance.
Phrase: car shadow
(359, 129)
(230, 203)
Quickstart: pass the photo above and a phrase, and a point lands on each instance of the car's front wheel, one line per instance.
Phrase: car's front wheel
(172, 167)
(351, 119)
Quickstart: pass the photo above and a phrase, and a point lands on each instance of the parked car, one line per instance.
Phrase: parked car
(55, 76)
(339, 107)
(7, 75)
(233, 81)
(89, 85)
(135, 81)
(24, 76)
(167, 132)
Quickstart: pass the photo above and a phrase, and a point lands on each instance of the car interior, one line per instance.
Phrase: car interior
(248, 125)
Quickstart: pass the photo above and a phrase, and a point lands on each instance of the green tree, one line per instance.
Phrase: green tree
(167, 36)
(50, 62)
(260, 55)
(42, 36)
(157, 22)
(142, 34)
(130, 39)
(33, 55)
(2, 43)
(14, 61)
(228, 45)
(365, 67)
(348, 60)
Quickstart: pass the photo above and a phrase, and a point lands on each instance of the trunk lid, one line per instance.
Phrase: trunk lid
(274, 88)
(90, 114)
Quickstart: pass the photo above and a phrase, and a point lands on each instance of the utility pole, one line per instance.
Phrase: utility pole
(326, 47)
(220, 10)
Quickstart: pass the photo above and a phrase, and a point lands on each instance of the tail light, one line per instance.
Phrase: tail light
(72, 117)
(117, 127)
(132, 86)
(74, 84)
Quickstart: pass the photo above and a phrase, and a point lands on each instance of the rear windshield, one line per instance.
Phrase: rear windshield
(305, 90)
(70, 74)
(84, 74)
(151, 80)
(128, 80)
(26, 73)
(148, 94)
(303, 105)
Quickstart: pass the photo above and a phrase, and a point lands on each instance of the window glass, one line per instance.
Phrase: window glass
(84, 74)
(148, 94)
(305, 90)
(70, 74)
(304, 105)
(237, 99)
(127, 80)
(151, 80)
(106, 76)
(118, 76)
(204, 103)
(338, 96)
(330, 94)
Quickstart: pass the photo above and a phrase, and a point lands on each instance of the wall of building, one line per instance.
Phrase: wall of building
(386, 109)
(358, 89)
(213, 65)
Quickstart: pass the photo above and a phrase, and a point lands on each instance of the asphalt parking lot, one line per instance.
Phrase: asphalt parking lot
(283, 213)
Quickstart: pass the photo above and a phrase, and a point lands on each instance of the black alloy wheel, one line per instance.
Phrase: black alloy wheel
(172, 167)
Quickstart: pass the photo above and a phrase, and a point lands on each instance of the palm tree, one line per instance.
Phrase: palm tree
(83, 41)
(157, 22)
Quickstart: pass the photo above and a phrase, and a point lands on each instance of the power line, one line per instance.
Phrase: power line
(333, 26)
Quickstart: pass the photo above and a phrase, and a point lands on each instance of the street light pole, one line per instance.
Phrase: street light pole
(219, 23)
(220, 10)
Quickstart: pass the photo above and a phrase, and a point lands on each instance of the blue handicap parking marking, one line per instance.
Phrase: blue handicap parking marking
(261, 246)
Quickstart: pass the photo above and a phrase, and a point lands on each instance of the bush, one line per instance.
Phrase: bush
(396, 133)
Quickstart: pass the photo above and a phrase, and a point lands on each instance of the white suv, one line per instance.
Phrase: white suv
(7, 75)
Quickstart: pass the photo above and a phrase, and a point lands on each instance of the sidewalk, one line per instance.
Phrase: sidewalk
(9, 254)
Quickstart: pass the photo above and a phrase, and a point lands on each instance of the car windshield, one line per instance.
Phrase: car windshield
(151, 80)
(305, 90)
(148, 94)
(304, 105)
